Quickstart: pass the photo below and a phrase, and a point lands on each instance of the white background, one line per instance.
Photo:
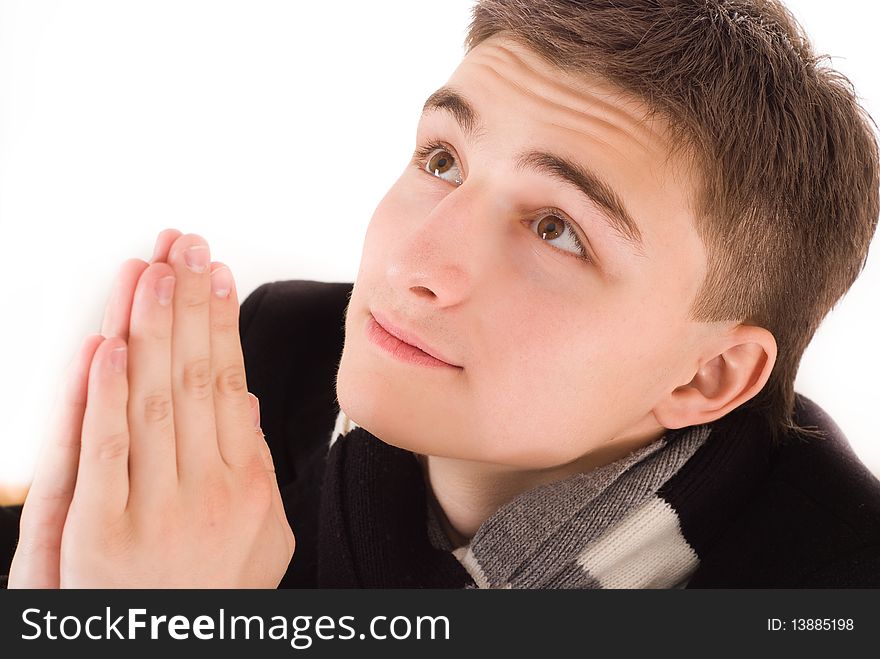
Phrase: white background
(273, 129)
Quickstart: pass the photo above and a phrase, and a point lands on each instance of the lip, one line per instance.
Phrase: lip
(429, 356)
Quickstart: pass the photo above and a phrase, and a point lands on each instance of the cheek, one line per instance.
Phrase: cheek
(552, 391)
(402, 205)
(544, 387)
(407, 199)
(385, 217)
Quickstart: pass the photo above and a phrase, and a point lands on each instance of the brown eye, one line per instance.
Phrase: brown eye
(440, 162)
(436, 159)
(550, 226)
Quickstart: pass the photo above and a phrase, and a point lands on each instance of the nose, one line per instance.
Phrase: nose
(423, 277)
(438, 259)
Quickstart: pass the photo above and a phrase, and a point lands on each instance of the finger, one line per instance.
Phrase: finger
(191, 377)
(36, 561)
(277, 501)
(164, 241)
(152, 448)
(232, 404)
(118, 309)
(117, 314)
(269, 466)
(102, 478)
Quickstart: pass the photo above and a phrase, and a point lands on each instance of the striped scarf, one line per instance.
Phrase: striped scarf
(612, 527)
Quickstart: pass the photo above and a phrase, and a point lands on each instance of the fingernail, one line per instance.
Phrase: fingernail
(164, 289)
(196, 257)
(117, 358)
(221, 282)
(255, 409)
(156, 249)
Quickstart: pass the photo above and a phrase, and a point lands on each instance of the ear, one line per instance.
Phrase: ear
(734, 372)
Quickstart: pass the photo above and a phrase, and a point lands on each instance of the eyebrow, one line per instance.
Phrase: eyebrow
(587, 182)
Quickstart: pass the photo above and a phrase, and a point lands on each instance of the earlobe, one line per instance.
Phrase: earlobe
(724, 381)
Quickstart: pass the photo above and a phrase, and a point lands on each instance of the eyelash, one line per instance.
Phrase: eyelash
(420, 158)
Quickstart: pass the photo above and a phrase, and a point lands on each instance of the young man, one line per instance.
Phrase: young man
(568, 357)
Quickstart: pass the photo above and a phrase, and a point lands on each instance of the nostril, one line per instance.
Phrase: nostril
(424, 290)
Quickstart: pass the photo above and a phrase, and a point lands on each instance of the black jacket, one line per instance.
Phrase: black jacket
(806, 514)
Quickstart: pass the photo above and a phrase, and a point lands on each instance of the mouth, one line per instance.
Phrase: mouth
(402, 344)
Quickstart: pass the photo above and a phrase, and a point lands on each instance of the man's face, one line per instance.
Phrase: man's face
(559, 351)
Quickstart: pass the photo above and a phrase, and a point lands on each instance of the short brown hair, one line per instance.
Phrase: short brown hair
(786, 156)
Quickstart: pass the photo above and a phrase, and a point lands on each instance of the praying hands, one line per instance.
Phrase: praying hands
(155, 473)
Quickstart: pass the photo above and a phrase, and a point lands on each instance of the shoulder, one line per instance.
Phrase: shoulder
(292, 334)
(293, 305)
(812, 518)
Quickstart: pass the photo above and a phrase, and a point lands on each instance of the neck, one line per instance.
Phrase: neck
(465, 493)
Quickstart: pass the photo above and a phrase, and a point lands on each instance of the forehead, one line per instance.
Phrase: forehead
(524, 101)
(562, 97)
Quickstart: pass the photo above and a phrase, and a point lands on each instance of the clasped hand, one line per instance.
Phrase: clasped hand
(156, 473)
